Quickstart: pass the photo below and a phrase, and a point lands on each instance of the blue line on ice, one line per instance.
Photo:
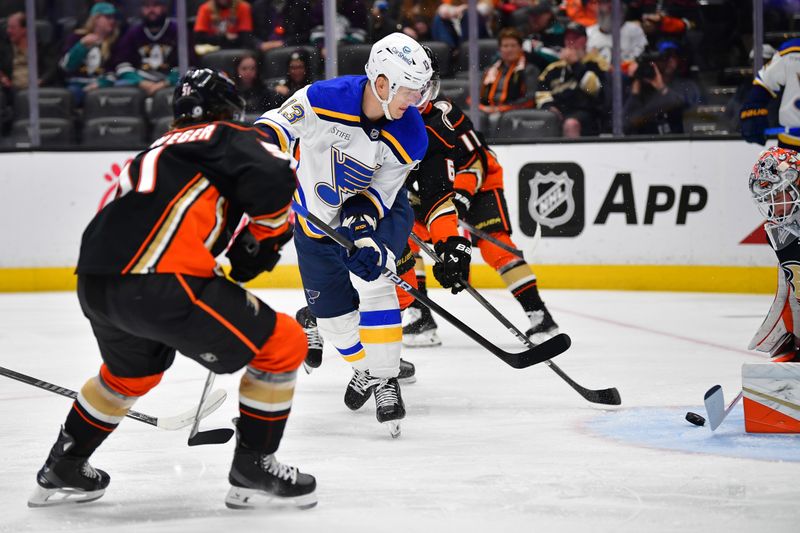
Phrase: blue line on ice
(666, 428)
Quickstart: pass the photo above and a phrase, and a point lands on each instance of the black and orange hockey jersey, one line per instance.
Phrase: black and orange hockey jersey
(178, 202)
(457, 157)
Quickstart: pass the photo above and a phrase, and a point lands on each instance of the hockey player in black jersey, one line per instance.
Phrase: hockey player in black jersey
(149, 284)
(460, 177)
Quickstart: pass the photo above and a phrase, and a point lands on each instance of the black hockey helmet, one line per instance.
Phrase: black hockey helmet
(436, 80)
(203, 93)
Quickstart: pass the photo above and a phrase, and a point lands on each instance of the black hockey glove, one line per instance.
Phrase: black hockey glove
(455, 253)
(250, 257)
(462, 199)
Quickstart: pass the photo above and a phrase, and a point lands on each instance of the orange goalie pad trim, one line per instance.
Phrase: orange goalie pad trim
(758, 418)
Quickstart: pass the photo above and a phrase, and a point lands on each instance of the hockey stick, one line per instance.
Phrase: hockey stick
(715, 405)
(603, 396)
(488, 238)
(170, 423)
(212, 436)
(538, 354)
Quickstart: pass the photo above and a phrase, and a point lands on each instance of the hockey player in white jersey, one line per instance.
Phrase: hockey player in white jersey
(779, 78)
(355, 139)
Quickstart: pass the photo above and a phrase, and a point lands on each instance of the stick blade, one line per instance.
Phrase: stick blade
(541, 352)
(213, 402)
(715, 406)
(213, 436)
(605, 396)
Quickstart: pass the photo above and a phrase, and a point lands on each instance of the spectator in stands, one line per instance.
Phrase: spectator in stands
(269, 26)
(223, 24)
(510, 83)
(665, 19)
(298, 74)
(415, 16)
(258, 98)
(632, 38)
(584, 12)
(652, 108)
(450, 24)
(89, 50)
(351, 22)
(14, 58)
(380, 22)
(546, 35)
(672, 64)
(572, 87)
(147, 55)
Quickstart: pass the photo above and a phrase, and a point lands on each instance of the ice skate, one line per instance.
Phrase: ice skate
(420, 328)
(389, 407)
(359, 389)
(543, 326)
(407, 373)
(65, 479)
(309, 322)
(259, 480)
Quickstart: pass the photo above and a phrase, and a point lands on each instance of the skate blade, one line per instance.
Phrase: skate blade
(43, 497)
(241, 498)
(308, 368)
(407, 381)
(393, 426)
(421, 340)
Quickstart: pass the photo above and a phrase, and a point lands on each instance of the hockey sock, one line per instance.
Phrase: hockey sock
(265, 400)
(419, 270)
(94, 415)
(521, 282)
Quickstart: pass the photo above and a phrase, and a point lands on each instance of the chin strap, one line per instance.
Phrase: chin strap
(384, 103)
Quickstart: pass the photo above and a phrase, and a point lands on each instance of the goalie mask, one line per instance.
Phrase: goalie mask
(774, 187)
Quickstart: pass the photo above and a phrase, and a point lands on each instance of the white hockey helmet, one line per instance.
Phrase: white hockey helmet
(774, 185)
(404, 63)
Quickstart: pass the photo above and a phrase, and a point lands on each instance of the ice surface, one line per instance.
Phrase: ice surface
(484, 447)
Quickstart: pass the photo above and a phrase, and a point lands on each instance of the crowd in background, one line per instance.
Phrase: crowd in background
(549, 60)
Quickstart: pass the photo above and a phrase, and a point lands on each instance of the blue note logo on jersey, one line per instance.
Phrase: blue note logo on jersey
(350, 177)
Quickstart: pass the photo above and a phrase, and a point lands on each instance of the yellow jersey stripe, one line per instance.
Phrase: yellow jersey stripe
(336, 114)
(397, 146)
(381, 335)
(281, 136)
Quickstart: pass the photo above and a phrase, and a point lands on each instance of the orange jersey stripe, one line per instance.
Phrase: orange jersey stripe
(161, 219)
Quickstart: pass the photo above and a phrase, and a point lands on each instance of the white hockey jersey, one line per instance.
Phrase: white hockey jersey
(783, 73)
(339, 153)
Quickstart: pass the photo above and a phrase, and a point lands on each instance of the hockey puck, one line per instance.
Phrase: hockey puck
(695, 419)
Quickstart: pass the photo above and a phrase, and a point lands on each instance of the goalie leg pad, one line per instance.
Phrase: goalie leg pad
(776, 334)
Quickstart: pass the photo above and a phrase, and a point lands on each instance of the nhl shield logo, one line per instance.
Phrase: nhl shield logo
(551, 202)
(374, 134)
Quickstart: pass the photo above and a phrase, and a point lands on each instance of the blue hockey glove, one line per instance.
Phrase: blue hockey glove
(755, 115)
(754, 121)
(369, 257)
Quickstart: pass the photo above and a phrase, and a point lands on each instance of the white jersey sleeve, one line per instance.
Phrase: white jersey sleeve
(291, 121)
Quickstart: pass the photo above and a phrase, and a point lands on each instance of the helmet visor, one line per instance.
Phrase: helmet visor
(417, 97)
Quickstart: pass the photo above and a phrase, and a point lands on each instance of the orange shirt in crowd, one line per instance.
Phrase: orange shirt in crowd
(227, 22)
